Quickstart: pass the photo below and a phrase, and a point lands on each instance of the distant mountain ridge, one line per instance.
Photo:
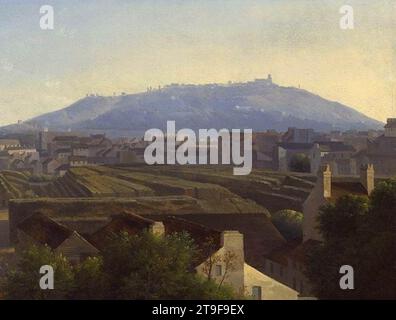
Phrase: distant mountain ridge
(259, 105)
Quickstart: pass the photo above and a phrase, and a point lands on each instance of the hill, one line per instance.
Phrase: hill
(259, 105)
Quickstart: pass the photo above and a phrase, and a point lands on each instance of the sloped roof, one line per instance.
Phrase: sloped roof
(260, 236)
(198, 232)
(45, 230)
(295, 250)
(300, 252)
(123, 222)
(281, 254)
(339, 189)
(134, 224)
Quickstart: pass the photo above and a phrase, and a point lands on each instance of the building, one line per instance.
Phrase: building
(264, 149)
(296, 135)
(286, 151)
(381, 151)
(221, 254)
(287, 265)
(9, 143)
(327, 190)
(78, 161)
(339, 156)
(40, 230)
(49, 165)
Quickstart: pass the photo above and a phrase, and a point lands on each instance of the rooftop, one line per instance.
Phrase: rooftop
(44, 230)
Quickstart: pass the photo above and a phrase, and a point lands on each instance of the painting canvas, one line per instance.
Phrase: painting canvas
(197, 150)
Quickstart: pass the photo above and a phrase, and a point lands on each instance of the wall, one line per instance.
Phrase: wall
(270, 288)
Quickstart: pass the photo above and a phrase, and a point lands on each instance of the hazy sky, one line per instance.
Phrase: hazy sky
(127, 45)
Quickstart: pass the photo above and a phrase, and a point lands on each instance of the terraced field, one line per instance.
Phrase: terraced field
(86, 197)
(215, 187)
(15, 185)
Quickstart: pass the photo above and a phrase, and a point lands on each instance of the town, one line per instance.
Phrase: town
(70, 191)
(301, 150)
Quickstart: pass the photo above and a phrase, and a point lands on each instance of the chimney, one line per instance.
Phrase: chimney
(157, 228)
(367, 177)
(232, 240)
(326, 176)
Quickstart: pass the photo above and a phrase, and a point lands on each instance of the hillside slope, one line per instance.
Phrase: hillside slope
(253, 105)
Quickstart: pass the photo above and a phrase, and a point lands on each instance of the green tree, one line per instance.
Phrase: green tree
(300, 163)
(143, 266)
(289, 223)
(91, 283)
(361, 233)
(23, 281)
(152, 267)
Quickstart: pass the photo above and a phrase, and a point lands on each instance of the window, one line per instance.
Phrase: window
(256, 292)
(218, 270)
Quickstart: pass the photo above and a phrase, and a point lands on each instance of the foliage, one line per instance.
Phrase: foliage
(289, 223)
(143, 266)
(300, 163)
(23, 281)
(361, 233)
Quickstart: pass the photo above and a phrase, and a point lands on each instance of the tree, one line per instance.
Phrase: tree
(289, 223)
(361, 233)
(227, 259)
(300, 163)
(152, 267)
(90, 280)
(143, 266)
(23, 281)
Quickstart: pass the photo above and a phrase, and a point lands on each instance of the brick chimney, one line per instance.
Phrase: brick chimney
(367, 177)
(157, 228)
(326, 180)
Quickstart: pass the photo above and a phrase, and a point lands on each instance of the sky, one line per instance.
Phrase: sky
(107, 46)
